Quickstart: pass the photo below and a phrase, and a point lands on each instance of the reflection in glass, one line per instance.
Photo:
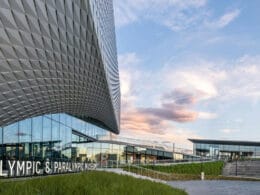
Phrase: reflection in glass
(50, 137)
(46, 129)
(37, 129)
(11, 133)
(25, 130)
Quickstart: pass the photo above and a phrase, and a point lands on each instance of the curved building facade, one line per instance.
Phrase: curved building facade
(59, 81)
(59, 57)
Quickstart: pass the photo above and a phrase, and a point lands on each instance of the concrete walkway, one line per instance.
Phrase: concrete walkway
(122, 172)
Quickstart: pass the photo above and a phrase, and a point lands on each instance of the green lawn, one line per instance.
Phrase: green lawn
(93, 182)
(209, 168)
(184, 171)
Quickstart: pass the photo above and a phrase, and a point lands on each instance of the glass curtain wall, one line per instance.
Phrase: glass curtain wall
(108, 154)
(46, 137)
(222, 151)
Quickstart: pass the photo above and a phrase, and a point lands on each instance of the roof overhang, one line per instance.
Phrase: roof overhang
(225, 142)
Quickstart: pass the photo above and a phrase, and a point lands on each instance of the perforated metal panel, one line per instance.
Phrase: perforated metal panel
(54, 58)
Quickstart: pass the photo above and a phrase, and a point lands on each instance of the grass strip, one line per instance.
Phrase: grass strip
(209, 168)
(185, 172)
(93, 182)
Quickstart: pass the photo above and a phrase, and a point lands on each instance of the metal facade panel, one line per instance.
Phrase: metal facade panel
(57, 56)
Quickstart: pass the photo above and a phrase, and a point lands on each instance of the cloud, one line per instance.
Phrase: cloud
(156, 118)
(170, 112)
(128, 59)
(153, 101)
(175, 14)
(196, 76)
(179, 96)
(129, 75)
(243, 81)
(123, 13)
(228, 131)
(138, 121)
(216, 80)
(172, 106)
(207, 115)
(167, 106)
(214, 40)
(224, 20)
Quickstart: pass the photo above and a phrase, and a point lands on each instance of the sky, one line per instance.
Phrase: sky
(189, 69)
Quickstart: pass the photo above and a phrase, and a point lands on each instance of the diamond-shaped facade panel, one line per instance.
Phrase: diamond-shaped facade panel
(59, 56)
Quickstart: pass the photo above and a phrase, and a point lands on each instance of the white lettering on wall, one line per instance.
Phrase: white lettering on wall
(11, 167)
(26, 168)
(37, 168)
(20, 168)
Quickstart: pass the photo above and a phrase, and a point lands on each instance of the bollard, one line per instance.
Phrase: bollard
(202, 175)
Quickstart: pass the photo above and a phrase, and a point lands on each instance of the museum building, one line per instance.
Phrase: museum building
(59, 81)
(59, 84)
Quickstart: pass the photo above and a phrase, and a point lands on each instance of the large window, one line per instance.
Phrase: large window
(1, 141)
(48, 137)
(10, 133)
(56, 140)
(46, 129)
(37, 129)
(25, 131)
(1, 137)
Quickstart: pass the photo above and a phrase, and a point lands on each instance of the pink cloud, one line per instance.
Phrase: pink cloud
(138, 121)
(159, 111)
(171, 112)
(180, 96)
(157, 119)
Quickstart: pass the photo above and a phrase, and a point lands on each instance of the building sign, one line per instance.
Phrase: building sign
(34, 168)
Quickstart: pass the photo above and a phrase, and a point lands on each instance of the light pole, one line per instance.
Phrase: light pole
(173, 149)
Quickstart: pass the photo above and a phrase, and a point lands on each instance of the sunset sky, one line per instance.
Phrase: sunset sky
(189, 69)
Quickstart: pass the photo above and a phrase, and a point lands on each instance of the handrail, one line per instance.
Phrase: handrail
(147, 172)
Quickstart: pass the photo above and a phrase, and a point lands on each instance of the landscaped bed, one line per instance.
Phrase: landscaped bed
(93, 182)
